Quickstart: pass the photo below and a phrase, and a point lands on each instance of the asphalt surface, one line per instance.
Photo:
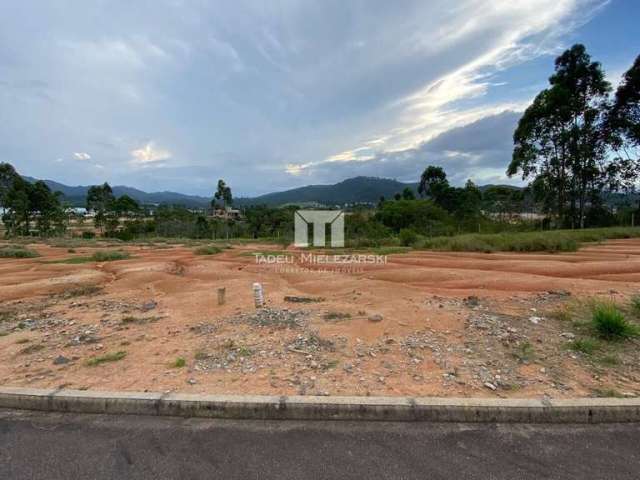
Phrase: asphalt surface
(69, 446)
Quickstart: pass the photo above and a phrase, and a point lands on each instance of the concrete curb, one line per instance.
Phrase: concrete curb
(263, 407)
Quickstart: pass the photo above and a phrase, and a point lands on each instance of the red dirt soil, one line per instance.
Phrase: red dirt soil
(453, 324)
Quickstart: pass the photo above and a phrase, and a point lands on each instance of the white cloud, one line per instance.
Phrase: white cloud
(81, 156)
(149, 154)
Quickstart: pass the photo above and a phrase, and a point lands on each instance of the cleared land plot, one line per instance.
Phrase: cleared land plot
(425, 323)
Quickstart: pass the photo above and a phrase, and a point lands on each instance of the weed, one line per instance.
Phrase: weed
(336, 316)
(207, 250)
(610, 324)
(607, 393)
(609, 360)
(524, 352)
(584, 345)
(178, 363)
(11, 251)
(130, 319)
(109, 357)
(81, 291)
(110, 255)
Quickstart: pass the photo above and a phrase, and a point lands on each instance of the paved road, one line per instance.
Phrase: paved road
(57, 446)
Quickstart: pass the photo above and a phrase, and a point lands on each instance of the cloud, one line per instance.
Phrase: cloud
(294, 92)
(149, 154)
(81, 156)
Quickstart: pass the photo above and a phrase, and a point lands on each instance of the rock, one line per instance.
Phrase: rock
(471, 301)
(375, 318)
(490, 385)
(60, 360)
(192, 381)
(149, 306)
(535, 320)
(568, 335)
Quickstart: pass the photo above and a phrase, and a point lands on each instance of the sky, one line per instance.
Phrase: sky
(175, 94)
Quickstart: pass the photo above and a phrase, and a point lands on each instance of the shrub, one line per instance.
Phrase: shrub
(408, 237)
(12, 251)
(584, 345)
(88, 235)
(178, 363)
(109, 255)
(109, 357)
(207, 250)
(610, 324)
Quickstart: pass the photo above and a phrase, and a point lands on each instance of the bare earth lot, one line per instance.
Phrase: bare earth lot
(453, 324)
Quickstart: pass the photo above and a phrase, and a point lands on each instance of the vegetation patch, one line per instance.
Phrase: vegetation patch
(178, 363)
(610, 323)
(110, 255)
(81, 291)
(207, 250)
(17, 251)
(131, 320)
(548, 241)
(336, 316)
(109, 357)
(586, 346)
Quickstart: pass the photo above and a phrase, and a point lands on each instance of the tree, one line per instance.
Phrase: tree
(407, 194)
(125, 206)
(433, 182)
(560, 143)
(223, 193)
(623, 125)
(100, 199)
(25, 203)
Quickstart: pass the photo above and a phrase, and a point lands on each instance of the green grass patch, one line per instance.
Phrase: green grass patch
(610, 323)
(17, 251)
(207, 250)
(110, 255)
(109, 357)
(336, 316)
(99, 256)
(547, 241)
(178, 363)
(584, 345)
(524, 352)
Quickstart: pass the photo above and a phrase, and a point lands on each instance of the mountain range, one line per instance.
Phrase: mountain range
(351, 190)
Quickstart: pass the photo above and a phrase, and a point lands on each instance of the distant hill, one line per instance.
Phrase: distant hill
(349, 191)
(77, 195)
(352, 190)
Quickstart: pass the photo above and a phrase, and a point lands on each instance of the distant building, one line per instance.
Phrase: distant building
(227, 213)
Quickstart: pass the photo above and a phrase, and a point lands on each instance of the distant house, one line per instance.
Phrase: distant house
(227, 213)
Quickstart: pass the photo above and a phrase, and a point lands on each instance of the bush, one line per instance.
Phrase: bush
(109, 255)
(207, 250)
(17, 252)
(109, 357)
(178, 363)
(88, 235)
(584, 345)
(408, 237)
(610, 324)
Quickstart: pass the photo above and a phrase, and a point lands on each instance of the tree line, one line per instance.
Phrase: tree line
(577, 144)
